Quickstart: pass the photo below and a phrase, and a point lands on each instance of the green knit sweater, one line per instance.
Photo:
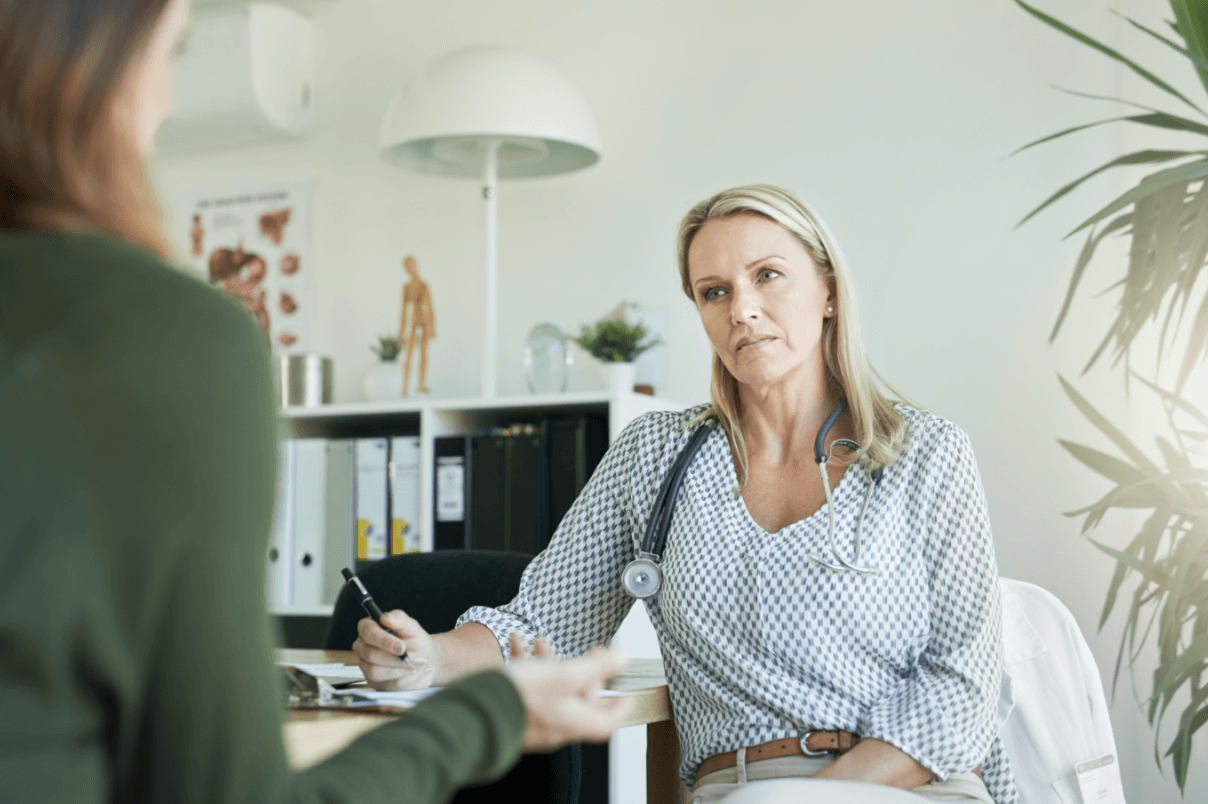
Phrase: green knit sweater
(137, 464)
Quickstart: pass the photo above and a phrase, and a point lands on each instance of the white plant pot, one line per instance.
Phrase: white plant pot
(620, 377)
(383, 382)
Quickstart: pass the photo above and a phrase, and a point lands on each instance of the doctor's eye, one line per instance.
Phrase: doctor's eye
(768, 273)
(712, 294)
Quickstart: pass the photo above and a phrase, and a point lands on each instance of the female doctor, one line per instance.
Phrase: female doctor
(855, 639)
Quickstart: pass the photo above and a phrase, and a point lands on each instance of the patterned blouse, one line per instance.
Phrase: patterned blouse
(759, 642)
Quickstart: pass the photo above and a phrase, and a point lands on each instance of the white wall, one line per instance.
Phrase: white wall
(892, 118)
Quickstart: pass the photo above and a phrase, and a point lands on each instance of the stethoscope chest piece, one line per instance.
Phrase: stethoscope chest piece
(642, 577)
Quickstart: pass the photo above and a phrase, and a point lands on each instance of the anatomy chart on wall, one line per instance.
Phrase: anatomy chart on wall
(255, 245)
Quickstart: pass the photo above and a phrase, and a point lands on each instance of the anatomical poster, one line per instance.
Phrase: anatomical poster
(255, 245)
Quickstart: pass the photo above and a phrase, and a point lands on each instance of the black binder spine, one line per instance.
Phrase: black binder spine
(488, 498)
(451, 504)
(527, 510)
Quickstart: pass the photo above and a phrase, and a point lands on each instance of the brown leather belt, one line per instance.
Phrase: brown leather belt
(810, 744)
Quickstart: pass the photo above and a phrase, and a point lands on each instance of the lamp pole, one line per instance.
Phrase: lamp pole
(490, 181)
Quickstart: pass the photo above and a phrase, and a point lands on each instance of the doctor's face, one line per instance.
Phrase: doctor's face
(760, 298)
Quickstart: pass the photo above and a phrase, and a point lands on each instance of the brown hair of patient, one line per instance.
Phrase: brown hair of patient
(65, 160)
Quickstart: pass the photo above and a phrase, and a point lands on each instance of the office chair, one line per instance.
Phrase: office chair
(435, 589)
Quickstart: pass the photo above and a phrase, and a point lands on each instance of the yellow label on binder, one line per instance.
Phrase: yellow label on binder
(363, 528)
(398, 538)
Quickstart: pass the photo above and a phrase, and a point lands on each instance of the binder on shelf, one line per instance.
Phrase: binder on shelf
(525, 505)
(576, 446)
(279, 586)
(372, 495)
(340, 526)
(488, 514)
(309, 519)
(452, 475)
(404, 495)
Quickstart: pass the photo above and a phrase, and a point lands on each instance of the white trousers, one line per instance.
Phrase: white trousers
(784, 780)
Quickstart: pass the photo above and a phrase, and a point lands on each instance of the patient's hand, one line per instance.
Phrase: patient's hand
(379, 653)
(562, 698)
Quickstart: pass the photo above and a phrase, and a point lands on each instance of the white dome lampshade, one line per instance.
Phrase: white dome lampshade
(443, 121)
(493, 113)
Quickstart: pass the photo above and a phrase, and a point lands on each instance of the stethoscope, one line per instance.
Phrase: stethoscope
(643, 576)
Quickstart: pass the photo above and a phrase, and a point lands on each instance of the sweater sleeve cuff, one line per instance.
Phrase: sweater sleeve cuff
(493, 691)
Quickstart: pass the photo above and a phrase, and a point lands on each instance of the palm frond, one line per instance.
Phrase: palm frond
(1109, 52)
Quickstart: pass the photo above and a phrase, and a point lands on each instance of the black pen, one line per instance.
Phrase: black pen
(371, 606)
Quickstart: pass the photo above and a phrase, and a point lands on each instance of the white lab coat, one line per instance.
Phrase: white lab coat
(1052, 711)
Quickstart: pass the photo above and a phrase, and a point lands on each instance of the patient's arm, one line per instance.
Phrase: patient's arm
(877, 762)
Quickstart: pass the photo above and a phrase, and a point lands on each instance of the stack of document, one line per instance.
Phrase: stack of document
(350, 680)
(354, 694)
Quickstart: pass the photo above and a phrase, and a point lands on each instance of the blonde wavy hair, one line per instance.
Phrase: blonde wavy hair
(879, 428)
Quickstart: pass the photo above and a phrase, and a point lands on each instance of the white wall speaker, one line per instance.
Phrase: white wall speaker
(244, 76)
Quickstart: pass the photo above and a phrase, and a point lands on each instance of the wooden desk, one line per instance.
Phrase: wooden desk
(313, 735)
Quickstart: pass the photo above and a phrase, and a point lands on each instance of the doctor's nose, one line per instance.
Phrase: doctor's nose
(743, 308)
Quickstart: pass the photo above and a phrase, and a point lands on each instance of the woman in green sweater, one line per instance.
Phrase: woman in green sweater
(137, 465)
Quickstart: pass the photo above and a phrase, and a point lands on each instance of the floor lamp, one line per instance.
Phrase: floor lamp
(490, 113)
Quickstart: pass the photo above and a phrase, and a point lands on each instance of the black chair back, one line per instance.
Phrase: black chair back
(435, 589)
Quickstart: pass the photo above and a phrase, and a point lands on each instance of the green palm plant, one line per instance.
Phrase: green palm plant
(1164, 217)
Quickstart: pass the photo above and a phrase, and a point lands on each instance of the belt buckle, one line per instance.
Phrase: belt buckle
(805, 748)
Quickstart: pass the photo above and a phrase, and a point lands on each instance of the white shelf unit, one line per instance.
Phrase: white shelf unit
(431, 418)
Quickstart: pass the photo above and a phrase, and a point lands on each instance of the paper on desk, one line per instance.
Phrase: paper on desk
(404, 698)
(408, 698)
(334, 670)
(372, 697)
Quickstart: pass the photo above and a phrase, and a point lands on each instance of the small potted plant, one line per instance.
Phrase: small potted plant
(384, 381)
(616, 343)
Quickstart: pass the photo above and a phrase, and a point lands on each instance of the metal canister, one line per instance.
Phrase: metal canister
(304, 380)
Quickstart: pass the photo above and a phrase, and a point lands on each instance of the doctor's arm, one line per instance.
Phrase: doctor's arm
(940, 716)
(570, 593)
(877, 762)
(436, 659)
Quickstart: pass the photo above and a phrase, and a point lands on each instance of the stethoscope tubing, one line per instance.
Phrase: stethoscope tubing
(643, 576)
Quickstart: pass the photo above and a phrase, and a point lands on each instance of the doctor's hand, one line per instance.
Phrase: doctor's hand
(380, 653)
(562, 698)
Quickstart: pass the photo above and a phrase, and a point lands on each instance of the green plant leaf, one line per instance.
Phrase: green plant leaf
(1084, 258)
(1111, 467)
(1176, 400)
(1174, 459)
(1130, 561)
(1107, 51)
(1136, 158)
(1196, 653)
(1192, 719)
(1197, 342)
(1198, 61)
(615, 341)
(1157, 119)
(1152, 183)
(1110, 98)
(1107, 428)
(1145, 541)
(1191, 23)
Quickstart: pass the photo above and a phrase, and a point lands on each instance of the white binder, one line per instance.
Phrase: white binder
(310, 520)
(340, 550)
(279, 586)
(371, 498)
(404, 495)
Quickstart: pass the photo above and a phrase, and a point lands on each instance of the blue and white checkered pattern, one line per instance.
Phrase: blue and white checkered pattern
(759, 642)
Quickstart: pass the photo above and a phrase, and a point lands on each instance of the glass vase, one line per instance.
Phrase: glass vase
(547, 360)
